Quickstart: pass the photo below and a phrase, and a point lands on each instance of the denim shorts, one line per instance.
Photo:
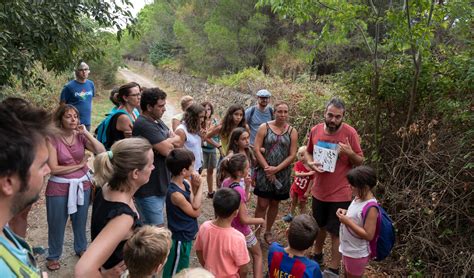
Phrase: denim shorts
(151, 209)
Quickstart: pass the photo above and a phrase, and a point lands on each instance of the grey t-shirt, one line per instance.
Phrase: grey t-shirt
(154, 132)
(258, 118)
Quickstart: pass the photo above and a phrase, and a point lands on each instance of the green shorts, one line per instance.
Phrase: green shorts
(178, 258)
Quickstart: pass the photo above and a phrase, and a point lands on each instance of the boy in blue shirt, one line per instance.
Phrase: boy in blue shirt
(290, 261)
(183, 206)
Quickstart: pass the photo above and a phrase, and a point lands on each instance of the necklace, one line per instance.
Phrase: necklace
(68, 143)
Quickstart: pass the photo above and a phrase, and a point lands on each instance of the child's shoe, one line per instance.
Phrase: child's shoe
(327, 273)
(288, 218)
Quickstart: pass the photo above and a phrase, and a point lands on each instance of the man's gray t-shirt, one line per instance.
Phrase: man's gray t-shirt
(154, 132)
(258, 118)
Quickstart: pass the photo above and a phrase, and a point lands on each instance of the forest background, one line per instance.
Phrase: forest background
(404, 67)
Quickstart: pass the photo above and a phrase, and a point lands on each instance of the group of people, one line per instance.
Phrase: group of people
(144, 167)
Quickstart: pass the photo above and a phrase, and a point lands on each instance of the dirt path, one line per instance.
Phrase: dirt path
(37, 231)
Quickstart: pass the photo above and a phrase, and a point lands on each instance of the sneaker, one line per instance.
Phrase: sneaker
(288, 218)
(329, 274)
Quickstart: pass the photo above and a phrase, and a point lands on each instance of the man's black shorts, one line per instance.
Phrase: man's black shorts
(325, 214)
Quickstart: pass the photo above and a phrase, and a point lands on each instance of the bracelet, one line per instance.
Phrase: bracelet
(219, 147)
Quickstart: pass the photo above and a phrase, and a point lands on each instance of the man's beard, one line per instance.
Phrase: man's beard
(332, 127)
(20, 202)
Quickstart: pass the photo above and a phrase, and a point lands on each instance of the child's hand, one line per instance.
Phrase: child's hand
(195, 181)
(307, 194)
(261, 221)
(317, 166)
(248, 180)
(341, 214)
(310, 173)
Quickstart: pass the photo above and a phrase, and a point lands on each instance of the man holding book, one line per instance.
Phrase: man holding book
(334, 148)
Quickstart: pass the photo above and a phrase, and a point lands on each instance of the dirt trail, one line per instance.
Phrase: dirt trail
(37, 234)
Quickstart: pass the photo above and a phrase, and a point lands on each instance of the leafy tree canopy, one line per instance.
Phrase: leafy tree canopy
(55, 33)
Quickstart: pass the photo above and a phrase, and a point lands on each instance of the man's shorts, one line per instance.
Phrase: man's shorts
(325, 214)
(209, 160)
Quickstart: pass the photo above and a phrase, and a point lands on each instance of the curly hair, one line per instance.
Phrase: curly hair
(191, 118)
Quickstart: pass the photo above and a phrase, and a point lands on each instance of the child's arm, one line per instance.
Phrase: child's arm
(308, 190)
(368, 231)
(200, 258)
(196, 190)
(180, 201)
(245, 219)
(304, 174)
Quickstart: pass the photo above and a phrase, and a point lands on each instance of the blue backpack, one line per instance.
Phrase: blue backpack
(384, 238)
(102, 131)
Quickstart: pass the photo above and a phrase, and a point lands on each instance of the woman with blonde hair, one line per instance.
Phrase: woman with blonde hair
(69, 186)
(120, 172)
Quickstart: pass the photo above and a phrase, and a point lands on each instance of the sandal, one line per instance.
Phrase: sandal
(53, 265)
(210, 195)
(268, 237)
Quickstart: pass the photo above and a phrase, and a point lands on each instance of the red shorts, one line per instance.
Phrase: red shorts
(296, 192)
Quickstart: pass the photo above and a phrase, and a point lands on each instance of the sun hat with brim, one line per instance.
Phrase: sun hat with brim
(263, 93)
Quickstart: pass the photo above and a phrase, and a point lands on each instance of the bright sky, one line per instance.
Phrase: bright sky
(138, 5)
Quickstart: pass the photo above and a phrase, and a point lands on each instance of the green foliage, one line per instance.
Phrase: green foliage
(159, 52)
(55, 33)
(46, 95)
(238, 80)
(104, 67)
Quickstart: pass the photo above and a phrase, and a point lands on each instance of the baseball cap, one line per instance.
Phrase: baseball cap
(263, 93)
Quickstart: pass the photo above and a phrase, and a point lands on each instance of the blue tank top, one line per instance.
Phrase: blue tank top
(183, 226)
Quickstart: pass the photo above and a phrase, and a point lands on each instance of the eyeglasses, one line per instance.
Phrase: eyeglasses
(83, 70)
(134, 95)
(264, 98)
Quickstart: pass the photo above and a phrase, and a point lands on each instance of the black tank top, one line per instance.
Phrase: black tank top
(102, 212)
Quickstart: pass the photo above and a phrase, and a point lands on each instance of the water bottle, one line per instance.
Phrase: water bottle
(278, 184)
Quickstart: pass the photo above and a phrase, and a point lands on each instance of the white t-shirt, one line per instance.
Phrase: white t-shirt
(350, 244)
(193, 143)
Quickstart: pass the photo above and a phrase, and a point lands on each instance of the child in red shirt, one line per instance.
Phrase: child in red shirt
(301, 187)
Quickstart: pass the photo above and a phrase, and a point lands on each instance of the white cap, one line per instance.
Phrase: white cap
(263, 93)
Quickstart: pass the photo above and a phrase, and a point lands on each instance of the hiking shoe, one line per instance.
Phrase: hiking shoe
(329, 274)
(288, 218)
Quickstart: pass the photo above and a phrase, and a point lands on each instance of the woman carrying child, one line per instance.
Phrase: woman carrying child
(237, 166)
(356, 232)
(301, 188)
(120, 172)
(273, 175)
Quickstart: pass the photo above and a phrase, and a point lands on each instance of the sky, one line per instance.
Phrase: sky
(138, 5)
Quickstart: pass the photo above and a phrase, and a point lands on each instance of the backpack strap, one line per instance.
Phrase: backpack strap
(252, 111)
(365, 209)
(234, 185)
(271, 113)
(18, 267)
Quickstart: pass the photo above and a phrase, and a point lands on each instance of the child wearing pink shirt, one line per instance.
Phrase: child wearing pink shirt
(237, 166)
(220, 248)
